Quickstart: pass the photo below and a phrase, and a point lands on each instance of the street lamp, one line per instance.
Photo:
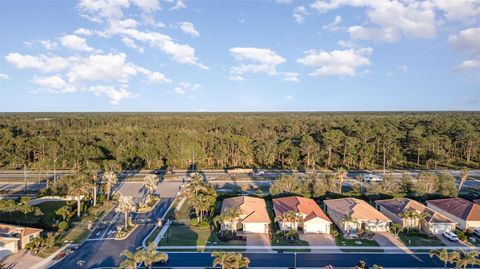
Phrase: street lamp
(54, 171)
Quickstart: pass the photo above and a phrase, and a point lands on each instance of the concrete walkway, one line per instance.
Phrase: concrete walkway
(320, 240)
(386, 239)
(259, 240)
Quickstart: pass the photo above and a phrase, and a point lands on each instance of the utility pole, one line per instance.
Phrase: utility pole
(25, 177)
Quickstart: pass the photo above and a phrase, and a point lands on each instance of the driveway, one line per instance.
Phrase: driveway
(386, 239)
(320, 240)
(449, 243)
(20, 260)
(259, 240)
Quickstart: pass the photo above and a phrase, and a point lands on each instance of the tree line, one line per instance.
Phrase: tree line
(220, 140)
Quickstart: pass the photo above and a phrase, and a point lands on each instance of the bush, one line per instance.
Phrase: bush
(461, 235)
(101, 198)
(225, 235)
(63, 225)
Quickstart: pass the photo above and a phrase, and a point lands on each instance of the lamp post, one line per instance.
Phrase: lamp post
(54, 169)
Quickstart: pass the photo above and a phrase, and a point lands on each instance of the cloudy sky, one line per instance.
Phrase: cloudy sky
(277, 55)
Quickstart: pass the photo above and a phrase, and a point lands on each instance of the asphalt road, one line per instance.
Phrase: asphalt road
(104, 251)
(196, 259)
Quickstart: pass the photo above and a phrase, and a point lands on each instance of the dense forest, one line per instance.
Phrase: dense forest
(220, 140)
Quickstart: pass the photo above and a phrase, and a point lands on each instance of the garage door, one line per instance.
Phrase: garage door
(254, 227)
(440, 228)
(315, 228)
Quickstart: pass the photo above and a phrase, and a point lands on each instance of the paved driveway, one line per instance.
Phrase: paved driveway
(259, 240)
(386, 239)
(449, 243)
(320, 240)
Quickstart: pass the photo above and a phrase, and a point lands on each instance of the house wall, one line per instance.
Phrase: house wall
(473, 224)
(462, 224)
(27, 239)
(316, 225)
(255, 227)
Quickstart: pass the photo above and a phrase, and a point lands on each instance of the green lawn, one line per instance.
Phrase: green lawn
(341, 241)
(44, 221)
(419, 240)
(280, 241)
(185, 235)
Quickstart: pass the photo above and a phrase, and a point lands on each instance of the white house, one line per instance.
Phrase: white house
(309, 217)
(464, 212)
(254, 216)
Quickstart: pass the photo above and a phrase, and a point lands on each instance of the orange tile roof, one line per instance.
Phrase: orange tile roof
(306, 206)
(23, 231)
(253, 209)
(458, 207)
(399, 205)
(357, 209)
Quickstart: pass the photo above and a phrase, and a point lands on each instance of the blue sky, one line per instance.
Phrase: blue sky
(284, 55)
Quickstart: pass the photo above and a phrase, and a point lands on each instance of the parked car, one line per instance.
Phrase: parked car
(450, 236)
(476, 232)
(371, 178)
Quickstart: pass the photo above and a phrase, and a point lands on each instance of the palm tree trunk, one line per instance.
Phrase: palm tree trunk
(126, 220)
(94, 194)
(78, 206)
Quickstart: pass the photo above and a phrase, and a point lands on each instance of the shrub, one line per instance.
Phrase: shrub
(101, 198)
(63, 225)
(225, 235)
(461, 235)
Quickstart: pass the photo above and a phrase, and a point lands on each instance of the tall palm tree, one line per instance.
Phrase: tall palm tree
(408, 216)
(240, 261)
(229, 260)
(230, 215)
(93, 174)
(150, 184)
(421, 217)
(347, 219)
(110, 180)
(78, 188)
(132, 259)
(289, 216)
(341, 173)
(463, 177)
(150, 255)
(125, 205)
(442, 255)
(462, 259)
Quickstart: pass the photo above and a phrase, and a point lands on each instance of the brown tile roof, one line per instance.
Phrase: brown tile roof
(399, 205)
(306, 206)
(458, 207)
(13, 229)
(253, 209)
(357, 209)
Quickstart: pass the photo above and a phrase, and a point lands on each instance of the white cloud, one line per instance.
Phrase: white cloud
(42, 63)
(468, 64)
(285, 2)
(459, 10)
(54, 83)
(74, 42)
(264, 60)
(390, 19)
(188, 28)
(299, 14)
(236, 78)
(290, 76)
(48, 44)
(83, 31)
(468, 39)
(113, 94)
(147, 5)
(131, 44)
(337, 62)
(403, 68)
(153, 77)
(334, 25)
(104, 8)
(4, 76)
(186, 87)
(178, 5)
(289, 97)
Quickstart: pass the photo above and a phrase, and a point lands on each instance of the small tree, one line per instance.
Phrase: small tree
(150, 184)
(442, 255)
(49, 241)
(150, 255)
(463, 177)
(396, 229)
(125, 205)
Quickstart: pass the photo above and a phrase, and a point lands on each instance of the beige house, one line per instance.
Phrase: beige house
(464, 212)
(310, 217)
(351, 215)
(434, 222)
(14, 237)
(253, 217)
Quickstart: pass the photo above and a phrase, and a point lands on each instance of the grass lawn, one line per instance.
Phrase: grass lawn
(341, 241)
(280, 241)
(419, 241)
(44, 221)
(153, 235)
(186, 235)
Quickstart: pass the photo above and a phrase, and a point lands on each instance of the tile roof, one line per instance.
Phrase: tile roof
(253, 209)
(458, 207)
(357, 209)
(13, 229)
(306, 206)
(399, 205)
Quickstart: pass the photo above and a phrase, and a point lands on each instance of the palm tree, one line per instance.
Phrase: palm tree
(230, 260)
(150, 255)
(150, 184)
(93, 173)
(341, 173)
(289, 216)
(110, 180)
(230, 215)
(125, 205)
(421, 217)
(132, 259)
(462, 259)
(78, 188)
(347, 219)
(396, 228)
(442, 255)
(377, 266)
(463, 177)
(240, 261)
(408, 216)
(220, 258)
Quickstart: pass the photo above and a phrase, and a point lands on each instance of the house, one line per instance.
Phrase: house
(464, 212)
(15, 237)
(252, 218)
(308, 215)
(433, 222)
(352, 215)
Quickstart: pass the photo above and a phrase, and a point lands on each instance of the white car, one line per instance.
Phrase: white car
(450, 236)
(371, 178)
